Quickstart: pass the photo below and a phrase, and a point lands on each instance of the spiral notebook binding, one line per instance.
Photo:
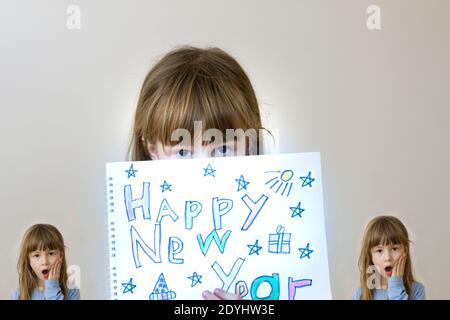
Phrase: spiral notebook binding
(112, 238)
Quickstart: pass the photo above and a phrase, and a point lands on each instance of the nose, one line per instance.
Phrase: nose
(44, 259)
(388, 255)
(202, 154)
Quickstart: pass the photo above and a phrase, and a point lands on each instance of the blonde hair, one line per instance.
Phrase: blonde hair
(39, 237)
(383, 230)
(192, 84)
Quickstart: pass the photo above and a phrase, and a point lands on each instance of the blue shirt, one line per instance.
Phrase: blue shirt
(51, 291)
(395, 291)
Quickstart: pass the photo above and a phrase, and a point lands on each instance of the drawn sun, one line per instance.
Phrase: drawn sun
(281, 181)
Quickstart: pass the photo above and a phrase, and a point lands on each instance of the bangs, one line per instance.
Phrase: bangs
(196, 93)
(43, 239)
(384, 232)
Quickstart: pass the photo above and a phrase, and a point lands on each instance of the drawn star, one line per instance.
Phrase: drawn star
(195, 279)
(297, 211)
(242, 184)
(131, 172)
(254, 248)
(128, 287)
(307, 180)
(165, 186)
(209, 171)
(305, 252)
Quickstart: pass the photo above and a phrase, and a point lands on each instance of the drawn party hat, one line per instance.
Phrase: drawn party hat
(161, 290)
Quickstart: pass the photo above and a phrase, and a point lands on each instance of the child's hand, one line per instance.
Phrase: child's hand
(399, 267)
(220, 294)
(55, 270)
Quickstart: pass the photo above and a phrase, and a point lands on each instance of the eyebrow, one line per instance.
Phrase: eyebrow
(39, 251)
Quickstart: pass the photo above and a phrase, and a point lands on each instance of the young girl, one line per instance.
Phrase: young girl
(385, 263)
(42, 266)
(194, 89)
(188, 88)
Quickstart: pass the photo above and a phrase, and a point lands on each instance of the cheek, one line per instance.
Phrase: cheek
(169, 157)
(376, 259)
(32, 264)
(397, 255)
(54, 258)
(161, 157)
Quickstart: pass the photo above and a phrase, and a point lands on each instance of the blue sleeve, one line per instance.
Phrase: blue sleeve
(357, 294)
(418, 291)
(15, 295)
(53, 290)
(397, 291)
(73, 294)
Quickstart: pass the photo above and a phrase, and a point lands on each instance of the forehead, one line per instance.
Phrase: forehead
(42, 238)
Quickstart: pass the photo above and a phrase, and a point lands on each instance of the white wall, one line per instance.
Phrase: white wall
(376, 104)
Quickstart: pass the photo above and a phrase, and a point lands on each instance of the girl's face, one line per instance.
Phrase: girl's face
(42, 260)
(385, 256)
(160, 152)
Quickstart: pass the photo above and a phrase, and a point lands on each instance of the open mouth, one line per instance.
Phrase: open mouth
(388, 270)
(45, 272)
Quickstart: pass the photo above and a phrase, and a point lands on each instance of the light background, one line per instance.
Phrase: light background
(376, 104)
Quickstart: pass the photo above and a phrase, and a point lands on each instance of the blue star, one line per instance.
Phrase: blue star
(305, 252)
(307, 180)
(254, 248)
(242, 184)
(131, 172)
(165, 186)
(128, 287)
(297, 211)
(209, 171)
(195, 279)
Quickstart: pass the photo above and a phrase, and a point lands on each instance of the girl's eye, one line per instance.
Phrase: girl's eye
(183, 153)
(221, 151)
(51, 253)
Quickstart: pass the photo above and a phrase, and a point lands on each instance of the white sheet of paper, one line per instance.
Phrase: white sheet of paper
(253, 225)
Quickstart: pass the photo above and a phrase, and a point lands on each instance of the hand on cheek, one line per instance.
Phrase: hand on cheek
(55, 270)
(399, 267)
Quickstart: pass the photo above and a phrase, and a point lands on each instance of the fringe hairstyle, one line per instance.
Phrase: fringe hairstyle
(39, 237)
(383, 230)
(192, 84)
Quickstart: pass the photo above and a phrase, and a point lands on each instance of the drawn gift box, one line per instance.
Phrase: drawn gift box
(280, 242)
